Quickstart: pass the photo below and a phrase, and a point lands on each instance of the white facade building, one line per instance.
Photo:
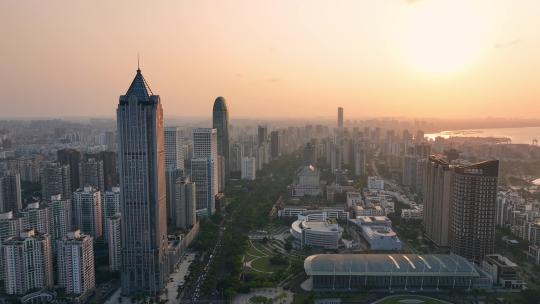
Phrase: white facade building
(377, 231)
(375, 183)
(87, 211)
(249, 168)
(114, 242)
(76, 263)
(204, 169)
(320, 234)
(27, 263)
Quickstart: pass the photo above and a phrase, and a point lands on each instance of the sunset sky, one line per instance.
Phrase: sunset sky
(273, 58)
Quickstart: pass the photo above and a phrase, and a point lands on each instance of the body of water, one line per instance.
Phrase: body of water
(517, 135)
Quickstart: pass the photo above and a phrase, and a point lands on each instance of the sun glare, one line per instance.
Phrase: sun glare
(441, 37)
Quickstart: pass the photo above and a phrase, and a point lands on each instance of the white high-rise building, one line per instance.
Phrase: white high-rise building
(87, 209)
(60, 209)
(27, 262)
(10, 226)
(76, 263)
(37, 216)
(204, 169)
(249, 168)
(174, 148)
(114, 242)
(111, 205)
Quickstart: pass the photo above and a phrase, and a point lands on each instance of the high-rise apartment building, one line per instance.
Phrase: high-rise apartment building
(437, 197)
(71, 158)
(220, 122)
(87, 211)
(75, 253)
(474, 203)
(27, 262)
(114, 242)
(10, 193)
(110, 201)
(91, 173)
(141, 163)
(55, 179)
(408, 176)
(204, 171)
(37, 216)
(185, 204)
(10, 226)
(60, 212)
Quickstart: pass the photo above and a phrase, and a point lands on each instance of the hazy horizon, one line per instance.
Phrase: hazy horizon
(274, 60)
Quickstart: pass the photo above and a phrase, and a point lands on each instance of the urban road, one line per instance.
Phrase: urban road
(194, 294)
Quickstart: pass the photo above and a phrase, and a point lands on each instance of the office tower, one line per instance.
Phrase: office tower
(437, 197)
(114, 242)
(249, 168)
(87, 211)
(71, 158)
(27, 263)
(110, 174)
(419, 137)
(408, 176)
(262, 134)
(10, 193)
(274, 144)
(220, 122)
(75, 253)
(421, 165)
(237, 152)
(110, 201)
(174, 164)
(110, 141)
(309, 155)
(174, 148)
(185, 203)
(340, 118)
(37, 216)
(141, 163)
(60, 211)
(474, 201)
(55, 179)
(10, 226)
(91, 173)
(359, 161)
(204, 171)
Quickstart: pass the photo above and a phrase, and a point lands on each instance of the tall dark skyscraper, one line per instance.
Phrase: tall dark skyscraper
(220, 121)
(262, 132)
(141, 163)
(340, 118)
(72, 158)
(474, 197)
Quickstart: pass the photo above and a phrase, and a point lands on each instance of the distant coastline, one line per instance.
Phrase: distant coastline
(517, 135)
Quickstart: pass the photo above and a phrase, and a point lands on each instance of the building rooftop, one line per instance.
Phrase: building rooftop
(386, 264)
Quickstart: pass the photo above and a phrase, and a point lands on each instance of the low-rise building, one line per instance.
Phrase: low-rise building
(377, 231)
(321, 234)
(502, 271)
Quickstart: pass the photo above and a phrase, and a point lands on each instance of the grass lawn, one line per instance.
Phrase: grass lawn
(409, 299)
(263, 264)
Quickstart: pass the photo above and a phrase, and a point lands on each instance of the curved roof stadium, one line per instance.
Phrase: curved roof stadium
(386, 264)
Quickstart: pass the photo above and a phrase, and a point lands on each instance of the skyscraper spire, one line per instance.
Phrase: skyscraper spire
(138, 66)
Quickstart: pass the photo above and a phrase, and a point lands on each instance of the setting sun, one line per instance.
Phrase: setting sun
(441, 37)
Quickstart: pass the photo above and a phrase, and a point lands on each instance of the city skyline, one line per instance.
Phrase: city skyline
(394, 58)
